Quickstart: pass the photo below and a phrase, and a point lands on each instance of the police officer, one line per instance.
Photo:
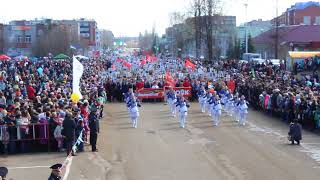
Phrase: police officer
(295, 132)
(56, 172)
(94, 128)
(3, 172)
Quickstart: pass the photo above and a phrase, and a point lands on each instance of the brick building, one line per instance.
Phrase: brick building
(19, 37)
(307, 13)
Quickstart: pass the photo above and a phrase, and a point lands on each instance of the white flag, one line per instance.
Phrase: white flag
(77, 71)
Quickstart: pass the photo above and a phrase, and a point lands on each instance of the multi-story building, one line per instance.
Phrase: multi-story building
(253, 28)
(307, 13)
(223, 31)
(88, 30)
(19, 38)
(291, 38)
(299, 29)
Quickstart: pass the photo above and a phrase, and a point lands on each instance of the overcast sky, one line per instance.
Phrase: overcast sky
(129, 17)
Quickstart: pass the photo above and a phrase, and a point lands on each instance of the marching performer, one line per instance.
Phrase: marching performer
(229, 103)
(243, 111)
(202, 97)
(172, 99)
(223, 101)
(134, 111)
(183, 106)
(236, 105)
(217, 108)
(210, 102)
(127, 97)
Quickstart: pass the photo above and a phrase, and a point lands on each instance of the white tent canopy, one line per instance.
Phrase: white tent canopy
(82, 57)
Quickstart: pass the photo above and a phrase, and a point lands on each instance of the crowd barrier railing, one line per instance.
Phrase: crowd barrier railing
(30, 132)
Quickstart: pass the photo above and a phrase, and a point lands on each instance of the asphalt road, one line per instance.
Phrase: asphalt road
(160, 150)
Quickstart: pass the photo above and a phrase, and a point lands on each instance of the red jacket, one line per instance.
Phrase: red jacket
(140, 85)
(31, 92)
(186, 84)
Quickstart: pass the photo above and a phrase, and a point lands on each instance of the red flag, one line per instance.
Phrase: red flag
(189, 64)
(126, 64)
(96, 54)
(114, 67)
(151, 58)
(119, 60)
(148, 57)
(143, 62)
(169, 80)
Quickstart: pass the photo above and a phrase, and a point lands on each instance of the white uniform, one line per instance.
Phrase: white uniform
(224, 100)
(172, 104)
(243, 111)
(202, 101)
(229, 106)
(236, 111)
(217, 111)
(208, 105)
(134, 114)
(183, 112)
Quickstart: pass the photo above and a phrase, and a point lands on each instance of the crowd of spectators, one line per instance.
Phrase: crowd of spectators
(35, 104)
(36, 111)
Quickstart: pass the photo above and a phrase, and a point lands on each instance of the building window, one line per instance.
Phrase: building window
(19, 39)
(28, 39)
(307, 20)
(317, 20)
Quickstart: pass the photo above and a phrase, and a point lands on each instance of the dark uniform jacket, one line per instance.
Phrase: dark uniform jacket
(295, 132)
(93, 123)
(69, 127)
(54, 177)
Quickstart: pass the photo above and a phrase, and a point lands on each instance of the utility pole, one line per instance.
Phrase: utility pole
(246, 26)
(277, 31)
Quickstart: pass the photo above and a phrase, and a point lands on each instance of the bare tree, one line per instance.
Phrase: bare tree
(197, 13)
(55, 41)
(146, 40)
(212, 10)
(107, 39)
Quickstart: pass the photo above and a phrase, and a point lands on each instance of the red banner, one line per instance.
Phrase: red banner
(151, 93)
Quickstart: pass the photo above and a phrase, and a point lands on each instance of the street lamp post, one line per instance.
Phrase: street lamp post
(246, 26)
(277, 31)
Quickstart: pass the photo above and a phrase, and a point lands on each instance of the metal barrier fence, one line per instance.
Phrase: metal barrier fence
(26, 133)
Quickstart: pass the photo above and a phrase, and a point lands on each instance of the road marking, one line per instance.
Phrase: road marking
(68, 167)
(28, 167)
(311, 143)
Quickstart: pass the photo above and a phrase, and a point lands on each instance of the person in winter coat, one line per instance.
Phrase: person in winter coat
(294, 133)
(94, 129)
(68, 132)
(57, 134)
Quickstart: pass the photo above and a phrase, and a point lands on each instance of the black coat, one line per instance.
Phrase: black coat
(295, 132)
(54, 177)
(93, 123)
(69, 127)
